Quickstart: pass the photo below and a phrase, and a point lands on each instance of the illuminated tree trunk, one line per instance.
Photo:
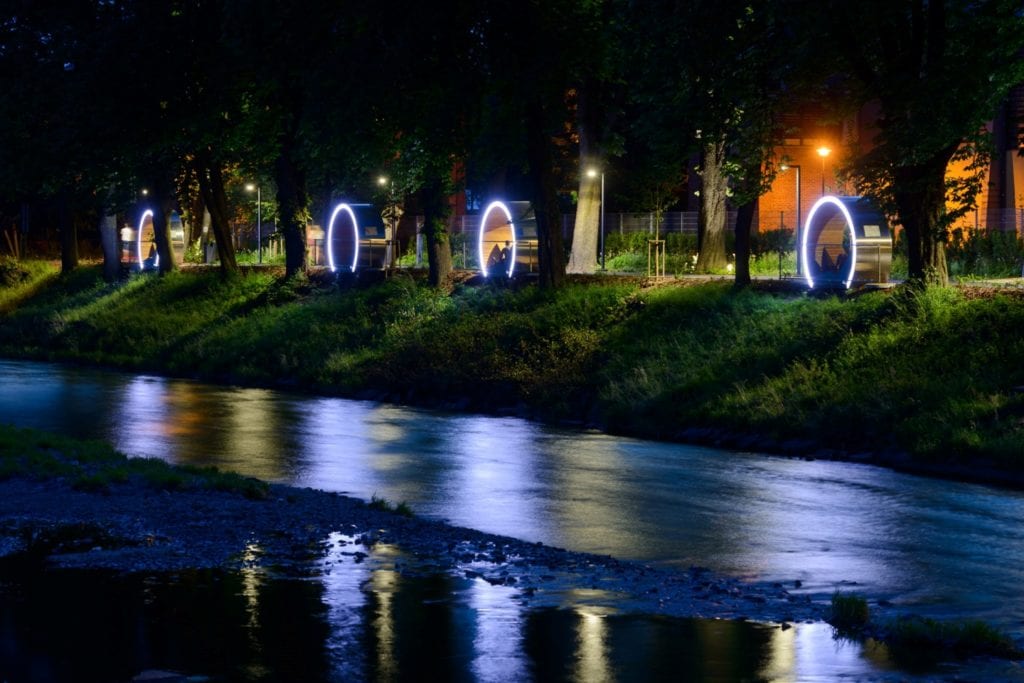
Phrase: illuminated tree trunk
(714, 189)
(586, 231)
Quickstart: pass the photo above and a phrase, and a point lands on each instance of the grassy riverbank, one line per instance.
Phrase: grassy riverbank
(933, 375)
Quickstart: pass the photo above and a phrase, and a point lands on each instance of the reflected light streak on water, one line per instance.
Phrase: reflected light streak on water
(498, 633)
(592, 664)
(940, 547)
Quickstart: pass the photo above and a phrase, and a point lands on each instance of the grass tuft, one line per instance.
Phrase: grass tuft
(915, 635)
(383, 505)
(849, 613)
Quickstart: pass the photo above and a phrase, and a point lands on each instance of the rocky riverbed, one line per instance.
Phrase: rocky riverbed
(132, 528)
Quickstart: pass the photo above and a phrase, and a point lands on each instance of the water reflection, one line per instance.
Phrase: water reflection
(372, 619)
(592, 647)
(938, 547)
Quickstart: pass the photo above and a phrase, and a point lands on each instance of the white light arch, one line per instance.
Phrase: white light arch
(148, 213)
(355, 237)
(805, 257)
(493, 206)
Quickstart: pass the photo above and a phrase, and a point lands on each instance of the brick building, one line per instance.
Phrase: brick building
(1000, 204)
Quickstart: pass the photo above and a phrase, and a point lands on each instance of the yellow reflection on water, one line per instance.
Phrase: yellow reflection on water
(592, 662)
(253, 577)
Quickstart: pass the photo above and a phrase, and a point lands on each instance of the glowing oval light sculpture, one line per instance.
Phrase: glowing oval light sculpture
(355, 237)
(138, 240)
(845, 240)
(487, 237)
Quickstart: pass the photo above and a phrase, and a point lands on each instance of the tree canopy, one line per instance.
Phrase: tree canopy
(191, 98)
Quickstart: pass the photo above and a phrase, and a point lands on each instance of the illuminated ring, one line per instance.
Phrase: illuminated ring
(480, 239)
(828, 199)
(330, 236)
(138, 240)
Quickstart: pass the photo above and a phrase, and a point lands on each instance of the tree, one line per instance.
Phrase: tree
(600, 94)
(937, 71)
(712, 76)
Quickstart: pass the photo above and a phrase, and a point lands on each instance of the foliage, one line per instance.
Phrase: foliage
(94, 466)
(849, 613)
(919, 64)
(922, 637)
(985, 253)
(383, 505)
(20, 280)
(848, 373)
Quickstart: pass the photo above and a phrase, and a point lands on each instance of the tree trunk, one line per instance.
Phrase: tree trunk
(111, 246)
(68, 234)
(587, 229)
(293, 210)
(920, 194)
(714, 189)
(162, 192)
(545, 198)
(436, 215)
(744, 222)
(211, 186)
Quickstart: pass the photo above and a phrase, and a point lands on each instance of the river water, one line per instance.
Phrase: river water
(936, 547)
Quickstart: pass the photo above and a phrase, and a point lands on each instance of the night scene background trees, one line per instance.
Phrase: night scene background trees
(679, 104)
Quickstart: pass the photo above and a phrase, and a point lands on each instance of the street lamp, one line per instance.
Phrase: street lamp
(259, 222)
(593, 173)
(796, 167)
(823, 152)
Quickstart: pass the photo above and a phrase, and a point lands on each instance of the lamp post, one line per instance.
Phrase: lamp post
(823, 152)
(259, 222)
(796, 167)
(593, 173)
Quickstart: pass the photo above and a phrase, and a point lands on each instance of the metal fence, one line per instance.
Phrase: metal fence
(1003, 220)
(684, 222)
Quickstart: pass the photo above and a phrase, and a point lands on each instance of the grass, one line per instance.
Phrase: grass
(384, 505)
(933, 374)
(920, 636)
(849, 613)
(95, 466)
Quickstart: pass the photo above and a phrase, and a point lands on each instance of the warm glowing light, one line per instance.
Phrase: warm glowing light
(145, 192)
(824, 151)
(591, 172)
(250, 187)
(138, 239)
(330, 236)
(483, 223)
(784, 167)
(382, 180)
(852, 261)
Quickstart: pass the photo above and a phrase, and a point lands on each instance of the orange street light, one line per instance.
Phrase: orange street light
(823, 152)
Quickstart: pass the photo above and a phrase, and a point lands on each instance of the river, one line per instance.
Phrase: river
(931, 546)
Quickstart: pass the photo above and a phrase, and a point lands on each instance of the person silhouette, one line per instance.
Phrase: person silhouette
(506, 257)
